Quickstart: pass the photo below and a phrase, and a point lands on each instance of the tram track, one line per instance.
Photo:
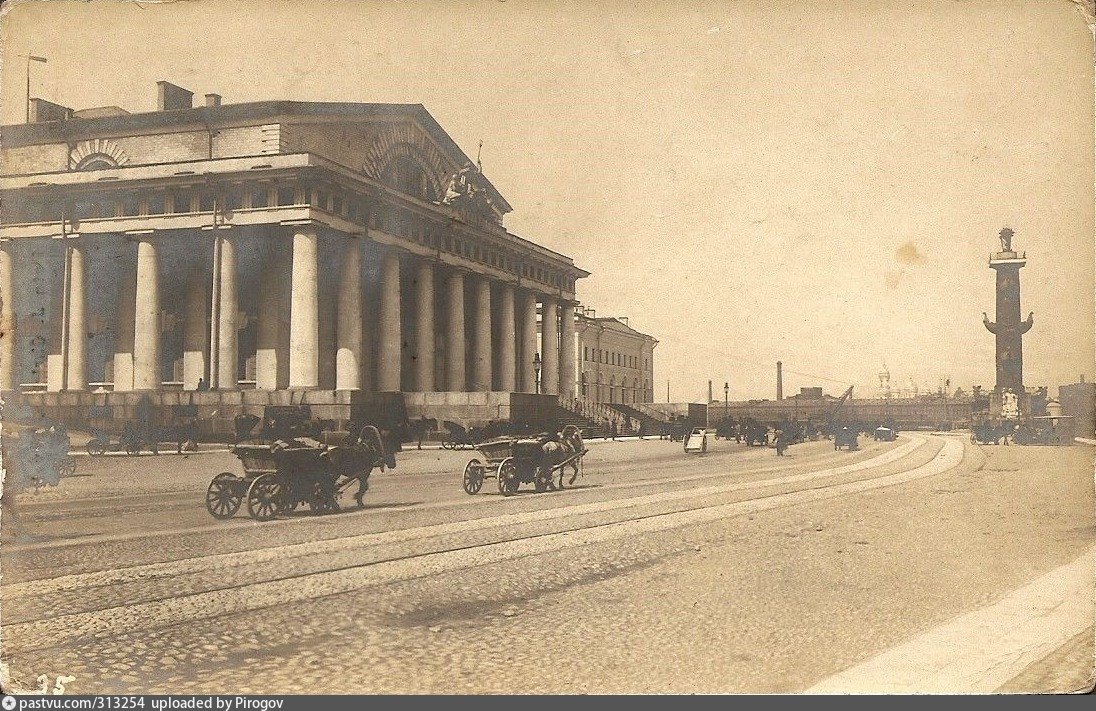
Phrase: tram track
(246, 536)
(135, 504)
(403, 535)
(51, 507)
(46, 633)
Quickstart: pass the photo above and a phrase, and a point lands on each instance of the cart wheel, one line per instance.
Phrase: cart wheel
(264, 497)
(447, 444)
(322, 499)
(96, 447)
(542, 480)
(133, 449)
(508, 476)
(473, 476)
(66, 466)
(289, 505)
(222, 499)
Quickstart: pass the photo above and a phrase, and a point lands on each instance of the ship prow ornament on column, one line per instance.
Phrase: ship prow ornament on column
(1009, 329)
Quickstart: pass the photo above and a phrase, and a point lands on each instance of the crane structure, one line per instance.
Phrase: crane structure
(835, 409)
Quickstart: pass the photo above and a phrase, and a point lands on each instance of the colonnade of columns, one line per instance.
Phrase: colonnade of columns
(490, 343)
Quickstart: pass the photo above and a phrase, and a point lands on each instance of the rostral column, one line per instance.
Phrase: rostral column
(1009, 329)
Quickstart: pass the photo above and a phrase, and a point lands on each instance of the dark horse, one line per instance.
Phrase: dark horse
(357, 457)
(557, 451)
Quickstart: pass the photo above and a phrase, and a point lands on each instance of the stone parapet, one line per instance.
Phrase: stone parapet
(214, 411)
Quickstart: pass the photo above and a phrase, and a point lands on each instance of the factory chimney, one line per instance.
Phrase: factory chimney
(779, 380)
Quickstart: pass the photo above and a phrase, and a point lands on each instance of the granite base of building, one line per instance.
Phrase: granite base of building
(213, 411)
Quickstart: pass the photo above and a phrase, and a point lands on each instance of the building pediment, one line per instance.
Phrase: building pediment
(404, 156)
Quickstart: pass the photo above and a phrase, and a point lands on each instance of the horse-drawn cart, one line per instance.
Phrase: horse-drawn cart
(458, 437)
(846, 437)
(513, 461)
(36, 455)
(280, 476)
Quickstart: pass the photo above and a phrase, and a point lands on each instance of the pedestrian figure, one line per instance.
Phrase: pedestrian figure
(781, 443)
(203, 386)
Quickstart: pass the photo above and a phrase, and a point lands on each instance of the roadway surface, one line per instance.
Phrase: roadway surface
(925, 564)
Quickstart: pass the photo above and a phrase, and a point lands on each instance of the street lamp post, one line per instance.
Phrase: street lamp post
(31, 58)
(537, 363)
(66, 298)
(726, 400)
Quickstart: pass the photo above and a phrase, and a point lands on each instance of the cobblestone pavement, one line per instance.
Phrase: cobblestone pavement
(662, 572)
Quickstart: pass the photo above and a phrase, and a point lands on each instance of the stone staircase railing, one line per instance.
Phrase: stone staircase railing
(651, 412)
(650, 423)
(601, 414)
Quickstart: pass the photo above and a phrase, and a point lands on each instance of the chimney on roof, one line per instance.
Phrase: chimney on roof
(42, 110)
(172, 97)
(213, 100)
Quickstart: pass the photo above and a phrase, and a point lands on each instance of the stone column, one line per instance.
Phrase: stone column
(528, 342)
(567, 356)
(304, 324)
(273, 305)
(481, 343)
(454, 335)
(329, 316)
(388, 325)
(146, 322)
(424, 335)
(7, 321)
(77, 330)
(550, 347)
(228, 313)
(195, 338)
(123, 329)
(507, 340)
(349, 330)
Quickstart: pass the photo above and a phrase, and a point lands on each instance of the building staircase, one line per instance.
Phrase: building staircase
(650, 423)
(592, 418)
(599, 417)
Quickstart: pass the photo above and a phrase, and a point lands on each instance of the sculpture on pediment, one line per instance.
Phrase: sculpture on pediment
(465, 190)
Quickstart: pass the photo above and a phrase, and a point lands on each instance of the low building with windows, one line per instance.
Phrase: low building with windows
(614, 363)
(267, 247)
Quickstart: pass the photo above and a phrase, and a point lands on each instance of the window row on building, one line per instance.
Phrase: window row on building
(627, 391)
(597, 355)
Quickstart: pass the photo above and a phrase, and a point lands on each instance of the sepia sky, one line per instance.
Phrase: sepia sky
(748, 180)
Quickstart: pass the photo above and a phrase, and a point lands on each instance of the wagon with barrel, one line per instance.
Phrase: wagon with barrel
(288, 472)
(513, 461)
(846, 437)
(1045, 430)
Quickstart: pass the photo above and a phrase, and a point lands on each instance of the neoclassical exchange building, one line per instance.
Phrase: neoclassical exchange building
(277, 252)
